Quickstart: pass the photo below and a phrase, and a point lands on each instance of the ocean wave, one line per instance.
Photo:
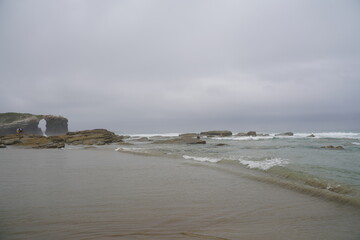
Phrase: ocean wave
(202, 159)
(348, 135)
(245, 138)
(151, 135)
(264, 164)
(356, 143)
(130, 149)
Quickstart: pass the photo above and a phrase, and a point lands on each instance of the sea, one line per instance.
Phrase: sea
(301, 159)
(236, 187)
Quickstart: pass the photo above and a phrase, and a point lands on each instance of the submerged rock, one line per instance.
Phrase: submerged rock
(223, 133)
(143, 139)
(181, 140)
(311, 135)
(221, 144)
(333, 147)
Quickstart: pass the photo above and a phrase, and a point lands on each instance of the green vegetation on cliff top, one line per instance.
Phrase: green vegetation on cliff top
(10, 117)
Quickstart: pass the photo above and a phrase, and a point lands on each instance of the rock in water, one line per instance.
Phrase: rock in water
(189, 135)
(224, 133)
(285, 134)
(333, 147)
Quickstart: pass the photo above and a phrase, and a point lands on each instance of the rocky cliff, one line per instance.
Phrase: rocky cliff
(9, 122)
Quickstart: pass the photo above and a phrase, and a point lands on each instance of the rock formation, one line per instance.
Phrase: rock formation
(87, 137)
(285, 134)
(217, 133)
(189, 135)
(9, 122)
(55, 125)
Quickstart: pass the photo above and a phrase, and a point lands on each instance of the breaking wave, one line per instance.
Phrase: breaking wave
(265, 164)
(260, 164)
(202, 159)
(346, 135)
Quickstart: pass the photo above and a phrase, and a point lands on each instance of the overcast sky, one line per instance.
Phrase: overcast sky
(183, 65)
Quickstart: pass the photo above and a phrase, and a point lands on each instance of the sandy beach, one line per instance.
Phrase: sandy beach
(102, 194)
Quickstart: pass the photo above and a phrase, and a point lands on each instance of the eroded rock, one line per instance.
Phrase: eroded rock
(9, 122)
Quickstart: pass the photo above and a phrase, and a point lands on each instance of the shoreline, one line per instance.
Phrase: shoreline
(112, 194)
(100, 138)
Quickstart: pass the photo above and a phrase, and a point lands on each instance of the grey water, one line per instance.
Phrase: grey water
(100, 193)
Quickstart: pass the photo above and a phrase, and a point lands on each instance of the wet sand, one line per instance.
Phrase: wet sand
(102, 194)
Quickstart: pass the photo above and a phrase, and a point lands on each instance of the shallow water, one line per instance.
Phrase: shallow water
(298, 158)
(102, 194)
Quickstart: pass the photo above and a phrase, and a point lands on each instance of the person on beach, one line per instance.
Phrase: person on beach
(19, 131)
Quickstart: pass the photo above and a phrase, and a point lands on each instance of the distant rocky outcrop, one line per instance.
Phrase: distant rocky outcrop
(189, 135)
(87, 137)
(223, 133)
(251, 134)
(285, 134)
(311, 135)
(9, 122)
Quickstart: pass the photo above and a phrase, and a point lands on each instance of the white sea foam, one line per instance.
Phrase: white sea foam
(202, 159)
(149, 135)
(356, 143)
(265, 164)
(130, 149)
(351, 135)
(244, 138)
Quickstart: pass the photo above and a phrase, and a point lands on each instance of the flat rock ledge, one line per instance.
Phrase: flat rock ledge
(222, 133)
(87, 137)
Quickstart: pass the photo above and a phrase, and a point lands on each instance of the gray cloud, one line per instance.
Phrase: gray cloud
(183, 65)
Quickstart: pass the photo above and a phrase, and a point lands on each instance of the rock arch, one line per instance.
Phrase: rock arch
(55, 125)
